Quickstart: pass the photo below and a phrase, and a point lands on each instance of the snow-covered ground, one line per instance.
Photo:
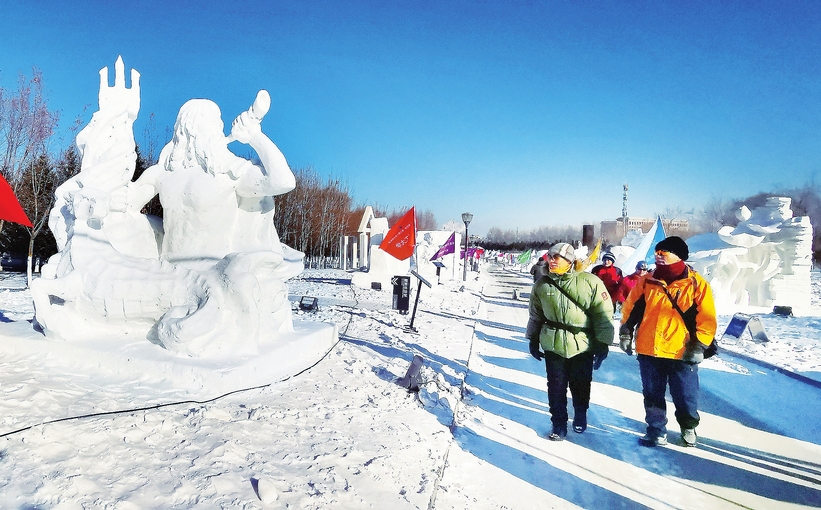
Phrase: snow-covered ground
(82, 433)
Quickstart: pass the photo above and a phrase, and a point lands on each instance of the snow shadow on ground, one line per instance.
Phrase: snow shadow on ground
(541, 474)
(513, 304)
(484, 322)
(434, 361)
(609, 431)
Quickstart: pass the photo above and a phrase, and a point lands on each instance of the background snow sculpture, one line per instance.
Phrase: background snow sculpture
(209, 278)
(383, 266)
(429, 243)
(764, 261)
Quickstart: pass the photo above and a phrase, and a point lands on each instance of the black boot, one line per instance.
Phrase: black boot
(558, 433)
(580, 421)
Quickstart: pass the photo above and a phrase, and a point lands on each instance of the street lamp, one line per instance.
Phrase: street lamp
(466, 217)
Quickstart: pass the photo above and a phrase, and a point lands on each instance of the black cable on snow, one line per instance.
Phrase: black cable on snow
(189, 402)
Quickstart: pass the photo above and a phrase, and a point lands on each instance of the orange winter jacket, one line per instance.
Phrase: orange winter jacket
(662, 332)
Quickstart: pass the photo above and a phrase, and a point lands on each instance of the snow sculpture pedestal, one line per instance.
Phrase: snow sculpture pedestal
(205, 282)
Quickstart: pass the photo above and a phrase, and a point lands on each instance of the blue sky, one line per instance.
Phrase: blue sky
(523, 113)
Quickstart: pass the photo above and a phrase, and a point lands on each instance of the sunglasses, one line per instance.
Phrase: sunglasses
(662, 253)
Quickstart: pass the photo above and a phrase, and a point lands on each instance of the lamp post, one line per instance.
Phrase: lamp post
(466, 217)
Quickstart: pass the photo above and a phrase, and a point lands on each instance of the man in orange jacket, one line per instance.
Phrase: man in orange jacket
(668, 305)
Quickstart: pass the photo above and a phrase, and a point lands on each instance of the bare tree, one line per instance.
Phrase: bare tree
(425, 220)
(712, 216)
(38, 182)
(26, 124)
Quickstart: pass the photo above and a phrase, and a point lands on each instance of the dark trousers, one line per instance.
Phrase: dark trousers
(575, 372)
(656, 374)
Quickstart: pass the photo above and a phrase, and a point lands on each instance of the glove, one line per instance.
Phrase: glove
(693, 353)
(600, 351)
(534, 349)
(626, 339)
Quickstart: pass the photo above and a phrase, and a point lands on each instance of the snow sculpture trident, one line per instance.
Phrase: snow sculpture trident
(207, 279)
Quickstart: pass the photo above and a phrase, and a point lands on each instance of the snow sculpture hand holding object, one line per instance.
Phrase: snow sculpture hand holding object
(205, 280)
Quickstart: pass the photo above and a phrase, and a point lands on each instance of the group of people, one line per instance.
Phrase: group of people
(618, 286)
(669, 311)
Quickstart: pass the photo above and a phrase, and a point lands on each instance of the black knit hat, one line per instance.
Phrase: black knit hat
(674, 244)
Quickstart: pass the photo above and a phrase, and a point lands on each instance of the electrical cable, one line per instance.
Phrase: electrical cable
(189, 402)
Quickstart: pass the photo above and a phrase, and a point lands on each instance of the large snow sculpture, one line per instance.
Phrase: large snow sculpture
(207, 279)
(764, 261)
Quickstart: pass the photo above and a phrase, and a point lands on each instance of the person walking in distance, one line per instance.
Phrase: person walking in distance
(539, 269)
(673, 316)
(609, 274)
(570, 320)
(629, 281)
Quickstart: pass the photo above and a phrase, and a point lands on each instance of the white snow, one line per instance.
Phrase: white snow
(343, 434)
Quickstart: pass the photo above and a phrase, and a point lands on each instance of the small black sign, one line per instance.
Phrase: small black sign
(401, 293)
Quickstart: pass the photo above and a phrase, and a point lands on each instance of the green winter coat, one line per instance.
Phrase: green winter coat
(562, 327)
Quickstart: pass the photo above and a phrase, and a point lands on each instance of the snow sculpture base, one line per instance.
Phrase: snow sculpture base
(142, 363)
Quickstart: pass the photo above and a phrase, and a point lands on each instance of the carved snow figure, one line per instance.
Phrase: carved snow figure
(764, 261)
(208, 279)
(382, 266)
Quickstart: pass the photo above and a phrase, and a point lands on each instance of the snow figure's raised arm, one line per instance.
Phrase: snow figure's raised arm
(107, 142)
(246, 128)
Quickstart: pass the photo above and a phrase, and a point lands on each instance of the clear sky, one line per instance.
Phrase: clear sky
(523, 113)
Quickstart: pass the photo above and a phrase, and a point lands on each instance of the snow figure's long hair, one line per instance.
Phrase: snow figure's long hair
(198, 140)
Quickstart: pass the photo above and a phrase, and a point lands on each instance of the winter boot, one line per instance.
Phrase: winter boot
(558, 433)
(688, 436)
(580, 421)
(651, 440)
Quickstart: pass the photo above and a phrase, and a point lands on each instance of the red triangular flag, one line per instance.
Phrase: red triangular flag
(10, 209)
(401, 238)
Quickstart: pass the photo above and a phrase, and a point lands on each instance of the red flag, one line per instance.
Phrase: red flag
(401, 238)
(10, 209)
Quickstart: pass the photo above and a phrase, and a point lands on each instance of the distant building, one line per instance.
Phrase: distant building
(612, 232)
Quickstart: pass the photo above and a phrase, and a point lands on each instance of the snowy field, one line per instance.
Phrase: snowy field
(86, 433)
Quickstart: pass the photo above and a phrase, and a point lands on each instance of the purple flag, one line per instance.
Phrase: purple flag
(472, 252)
(447, 248)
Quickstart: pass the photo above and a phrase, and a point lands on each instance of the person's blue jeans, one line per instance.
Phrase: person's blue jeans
(656, 375)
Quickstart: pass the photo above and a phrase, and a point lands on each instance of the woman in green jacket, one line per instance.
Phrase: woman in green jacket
(571, 321)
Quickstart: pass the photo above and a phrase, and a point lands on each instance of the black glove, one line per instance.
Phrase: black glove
(600, 351)
(693, 353)
(626, 339)
(534, 349)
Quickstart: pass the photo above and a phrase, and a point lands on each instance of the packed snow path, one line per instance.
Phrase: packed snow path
(746, 457)
(344, 435)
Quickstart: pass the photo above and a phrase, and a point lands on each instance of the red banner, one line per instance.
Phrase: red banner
(10, 209)
(401, 238)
